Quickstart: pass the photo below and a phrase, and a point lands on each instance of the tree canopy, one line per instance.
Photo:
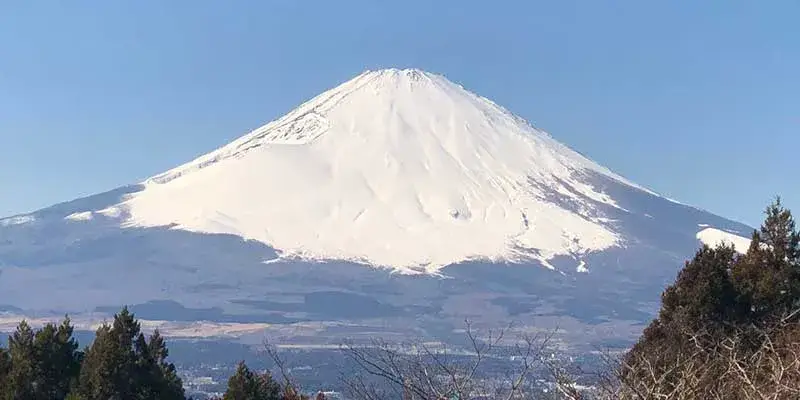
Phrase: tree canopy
(725, 312)
(121, 363)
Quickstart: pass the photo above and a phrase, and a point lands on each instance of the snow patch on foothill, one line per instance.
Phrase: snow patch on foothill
(714, 237)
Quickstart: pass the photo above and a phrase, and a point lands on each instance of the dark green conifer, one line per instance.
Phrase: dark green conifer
(159, 377)
(5, 368)
(58, 360)
(100, 369)
(247, 385)
(768, 277)
(19, 383)
(122, 364)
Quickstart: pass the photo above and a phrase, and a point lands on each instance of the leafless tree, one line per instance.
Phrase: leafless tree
(291, 388)
(749, 364)
(423, 371)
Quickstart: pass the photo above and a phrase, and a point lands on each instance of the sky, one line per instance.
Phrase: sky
(699, 101)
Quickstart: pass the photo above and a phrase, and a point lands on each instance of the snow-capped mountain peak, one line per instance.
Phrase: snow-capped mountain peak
(395, 168)
(398, 168)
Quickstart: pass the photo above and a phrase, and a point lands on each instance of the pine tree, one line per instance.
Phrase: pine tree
(160, 378)
(19, 383)
(703, 295)
(58, 360)
(100, 368)
(702, 299)
(247, 385)
(5, 368)
(768, 277)
(122, 364)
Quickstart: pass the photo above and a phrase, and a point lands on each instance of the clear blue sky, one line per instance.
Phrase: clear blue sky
(699, 100)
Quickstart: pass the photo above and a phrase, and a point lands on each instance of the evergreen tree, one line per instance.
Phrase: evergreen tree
(247, 385)
(703, 300)
(39, 365)
(58, 360)
(19, 383)
(703, 295)
(122, 364)
(5, 368)
(719, 295)
(159, 377)
(100, 370)
(768, 277)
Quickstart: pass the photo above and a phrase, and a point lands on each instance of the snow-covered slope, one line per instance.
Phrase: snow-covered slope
(395, 168)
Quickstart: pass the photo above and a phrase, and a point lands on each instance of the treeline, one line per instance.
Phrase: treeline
(122, 363)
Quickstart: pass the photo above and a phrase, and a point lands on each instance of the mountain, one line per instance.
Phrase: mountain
(397, 199)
